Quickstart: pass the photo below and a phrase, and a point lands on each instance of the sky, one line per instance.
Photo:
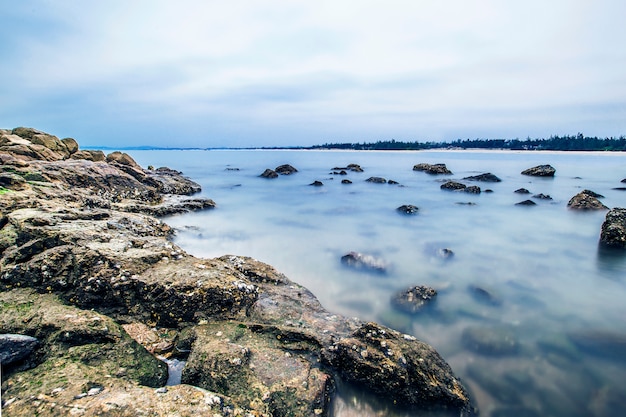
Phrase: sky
(237, 73)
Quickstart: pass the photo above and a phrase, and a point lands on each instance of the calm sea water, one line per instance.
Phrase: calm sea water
(545, 333)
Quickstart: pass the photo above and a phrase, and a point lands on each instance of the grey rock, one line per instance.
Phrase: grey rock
(542, 196)
(452, 186)
(433, 169)
(408, 209)
(269, 173)
(346, 182)
(613, 232)
(366, 262)
(486, 177)
(285, 169)
(377, 180)
(16, 347)
(522, 191)
(586, 200)
(414, 299)
(526, 203)
(540, 171)
(472, 189)
(317, 183)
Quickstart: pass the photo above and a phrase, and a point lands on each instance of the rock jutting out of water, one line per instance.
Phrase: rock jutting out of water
(586, 200)
(522, 191)
(487, 177)
(269, 173)
(365, 262)
(526, 203)
(433, 169)
(540, 171)
(408, 209)
(377, 180)
(613, 231)
(285, 169)
(317, 183)
(414, 299)
(350, 167)
(81, 252)
(542, 196)
(452, 186)
(472, 189)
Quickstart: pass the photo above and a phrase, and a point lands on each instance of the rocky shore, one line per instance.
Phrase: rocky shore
(85, 264)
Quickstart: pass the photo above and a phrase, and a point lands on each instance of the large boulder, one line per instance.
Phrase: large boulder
(123, 159)
(540, 171)
(433, 169)
(613, 231)
(70, 144)
(586, 200)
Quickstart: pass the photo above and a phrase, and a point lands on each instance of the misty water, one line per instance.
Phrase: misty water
(530, 311)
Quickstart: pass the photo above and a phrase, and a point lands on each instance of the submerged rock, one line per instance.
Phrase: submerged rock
(540, 171)
(522, 191)
(526, 203)
(350, 167)
(414, 299)
(317, 183)
(487, 177)
(433, 169)
(490, 341)
(363, 261)
(542, 196)
(586, 200)
(613, 232)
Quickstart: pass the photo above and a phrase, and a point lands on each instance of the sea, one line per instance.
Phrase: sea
(530, 310)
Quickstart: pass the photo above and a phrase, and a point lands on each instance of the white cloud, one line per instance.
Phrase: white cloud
(382, 65)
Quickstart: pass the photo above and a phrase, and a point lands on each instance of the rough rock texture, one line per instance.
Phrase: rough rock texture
(472, 189)
(414, 299)
(81, 254)
(453, 186)
(377, 180)
(522, 191)
(487, 177)
(350, 167)
(586, 200)
(433, 169)
(366, 262)
(408, 209)
(613, 232)
(540, 171)
(285, 169)
(269, 173)
(526, 203)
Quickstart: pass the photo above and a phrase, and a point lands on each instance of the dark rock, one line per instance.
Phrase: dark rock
(484, 295)
(624, 180)
(16, 347)
(376, 180)
(414, 299)
(363, 261)
(488, 191)
(317, 183)
(285, 169)
(586, 200)
(601, 343)
(433, 169)
(619, 188)
(385, 361)
(540, 171)
(472, 189)
(522, 191)
(392, 182)
(269, 173)
(453, 186)
(408, 209)
(346, 182)
(613, 232)
(490, 341)
(542, 196)
(526, 203)
(350, 167)
(444, 253)
(487, 177)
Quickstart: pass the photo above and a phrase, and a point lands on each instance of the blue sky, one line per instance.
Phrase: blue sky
(269, 73)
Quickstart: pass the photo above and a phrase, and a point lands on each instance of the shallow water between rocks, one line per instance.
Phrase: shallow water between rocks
(530, 312)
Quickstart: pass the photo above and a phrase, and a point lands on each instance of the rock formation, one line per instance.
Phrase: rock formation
(285, 169)
(613, 232)
(433, 169)
(540, 171)
(414, 299)
(586, 200)
(486, 177)
(408, 209)
(453, 186)
(81, 254)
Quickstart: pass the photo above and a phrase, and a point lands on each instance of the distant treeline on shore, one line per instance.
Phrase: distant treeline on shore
(554, 143)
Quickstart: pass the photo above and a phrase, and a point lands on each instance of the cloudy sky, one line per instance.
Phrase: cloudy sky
(289, 72)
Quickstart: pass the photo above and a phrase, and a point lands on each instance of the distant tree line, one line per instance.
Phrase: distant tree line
(578, 142)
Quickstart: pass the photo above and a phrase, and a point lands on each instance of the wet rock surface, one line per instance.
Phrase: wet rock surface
(81, 254)
(365, 262)
(486, 177)
(414, 299)
(408, 209)
(613, 231)
(586, 200)
(453, 186)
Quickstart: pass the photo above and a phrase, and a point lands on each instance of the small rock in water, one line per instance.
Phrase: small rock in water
(522, 191)
(285, 169)
(346, 182)
(540, 171)
(487, 177)
(414, 299)
(586, 200)
(408, 209)
(376, 180)
(452, 186)
(366, 262)
(317, 183)
(472, 189)
(268, 173)
(526, 203)
(542, 196)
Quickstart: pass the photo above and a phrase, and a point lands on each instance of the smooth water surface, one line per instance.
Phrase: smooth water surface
(530, 312)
